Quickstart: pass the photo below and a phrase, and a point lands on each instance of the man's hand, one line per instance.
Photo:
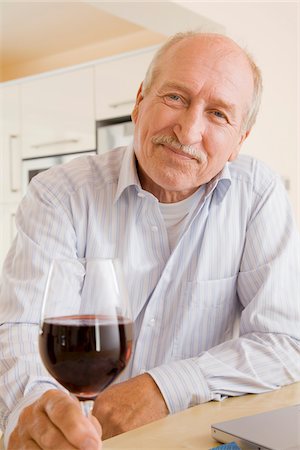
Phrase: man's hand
(129, 405)
(55, 421)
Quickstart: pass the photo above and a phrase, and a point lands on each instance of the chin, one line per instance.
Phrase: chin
(177, 181)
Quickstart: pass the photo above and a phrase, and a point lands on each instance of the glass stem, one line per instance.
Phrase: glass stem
(87, 407)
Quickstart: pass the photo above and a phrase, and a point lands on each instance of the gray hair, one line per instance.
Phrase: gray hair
(154, 68)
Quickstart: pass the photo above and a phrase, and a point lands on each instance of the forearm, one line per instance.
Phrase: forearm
(254, 363)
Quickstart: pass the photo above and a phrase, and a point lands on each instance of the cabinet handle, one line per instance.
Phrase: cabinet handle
(15, 163)
(61, 141)
(125, 102)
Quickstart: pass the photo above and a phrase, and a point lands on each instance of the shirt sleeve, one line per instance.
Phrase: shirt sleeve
(45, 231)
(266, 354)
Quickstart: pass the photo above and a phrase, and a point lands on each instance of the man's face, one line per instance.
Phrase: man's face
(200, 99)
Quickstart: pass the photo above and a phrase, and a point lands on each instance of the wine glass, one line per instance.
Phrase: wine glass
(86, 334)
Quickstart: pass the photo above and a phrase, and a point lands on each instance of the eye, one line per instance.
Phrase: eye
(219, 115)
(174, 100)
(174, 97)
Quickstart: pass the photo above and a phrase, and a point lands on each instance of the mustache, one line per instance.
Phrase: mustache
(174, 143)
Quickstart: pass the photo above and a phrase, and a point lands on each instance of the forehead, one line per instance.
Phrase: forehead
(216, 65)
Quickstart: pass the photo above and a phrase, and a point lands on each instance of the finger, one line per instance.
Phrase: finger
(17, 443)
(28, 445)
(96, 424)
(34, 427)
(65, 413)
(47, 436)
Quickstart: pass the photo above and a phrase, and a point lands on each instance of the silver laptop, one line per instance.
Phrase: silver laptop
(278, 429)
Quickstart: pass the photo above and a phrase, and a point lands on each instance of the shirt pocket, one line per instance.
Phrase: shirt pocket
(206, 316)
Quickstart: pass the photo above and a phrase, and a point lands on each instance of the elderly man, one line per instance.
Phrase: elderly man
(208, 245)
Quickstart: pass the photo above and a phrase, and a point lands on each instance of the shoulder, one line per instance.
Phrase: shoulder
(85, 172)
(254, 173)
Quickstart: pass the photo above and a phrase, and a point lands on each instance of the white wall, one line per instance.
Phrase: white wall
(269, 32)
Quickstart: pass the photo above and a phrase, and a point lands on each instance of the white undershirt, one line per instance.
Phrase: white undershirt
(176, 216)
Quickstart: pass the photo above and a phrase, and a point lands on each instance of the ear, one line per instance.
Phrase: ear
(235, 153)
(139, 98)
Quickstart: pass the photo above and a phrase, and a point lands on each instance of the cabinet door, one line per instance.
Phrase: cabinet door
(7, 229)
(117, 82)
(58, 114)
(10, 144)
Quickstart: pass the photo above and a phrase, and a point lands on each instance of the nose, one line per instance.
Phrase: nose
(189, 126)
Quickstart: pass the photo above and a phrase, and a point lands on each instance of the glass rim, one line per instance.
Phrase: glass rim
(115, 261)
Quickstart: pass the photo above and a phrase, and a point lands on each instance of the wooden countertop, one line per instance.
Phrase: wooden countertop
(190, 429)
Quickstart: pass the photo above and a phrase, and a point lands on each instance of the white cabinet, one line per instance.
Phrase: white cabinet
(10, 164)
(10, 145)
(58, 114)
(117, 82)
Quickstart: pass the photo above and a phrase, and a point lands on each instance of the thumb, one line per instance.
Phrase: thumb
(96, 424)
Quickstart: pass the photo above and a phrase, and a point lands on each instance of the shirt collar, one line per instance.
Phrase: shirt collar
(128, 173)
(220, 183)
(129, 177)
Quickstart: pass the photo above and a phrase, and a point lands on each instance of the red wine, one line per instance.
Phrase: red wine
(85, 353)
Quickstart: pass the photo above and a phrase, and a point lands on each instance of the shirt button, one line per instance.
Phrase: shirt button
(152, 322)
(154, 228)
(140, 194)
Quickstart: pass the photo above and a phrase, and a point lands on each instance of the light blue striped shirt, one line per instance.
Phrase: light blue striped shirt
(218, 316)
